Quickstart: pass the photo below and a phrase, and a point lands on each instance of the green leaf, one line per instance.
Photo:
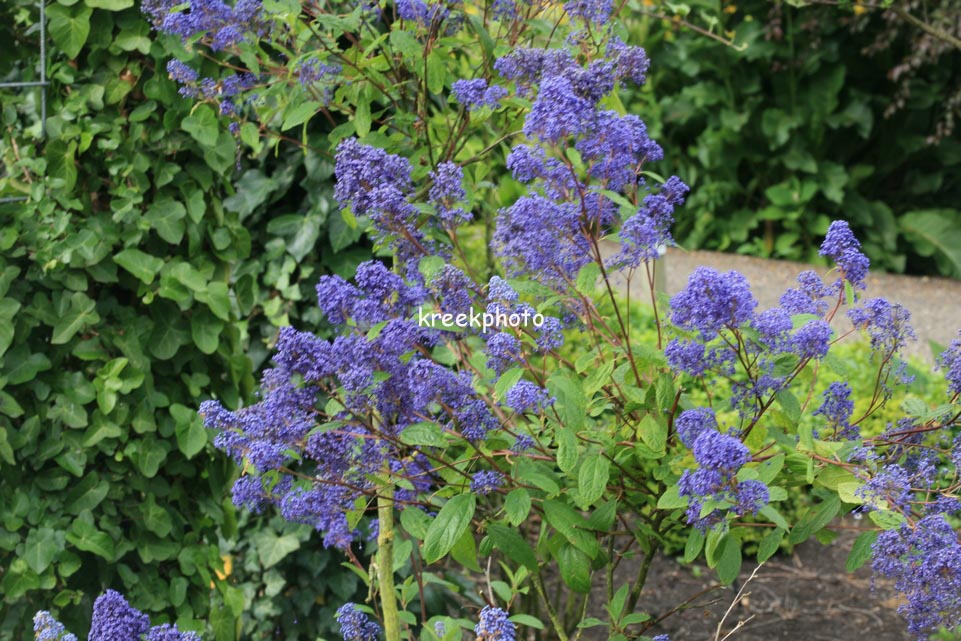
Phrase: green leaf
(653, 432)
(671, 499)
(190, 430)
(166, 217)
(41, 547)
(141, 264)
(167, 337)
(415, 523)
(299, 114)
(81, 313)
(769, 545)
(84, 535)
(156, 518)
(935, 232)
(571, 404)
(362, 119)
(517, 505)
(729, 559)
(448, 526)
(815, 519)
(87, 494)
(694, 545)
(436, 71)
(110, 5)
(527, 620)
(567, 453)
(513, 545)
(592, 479)
(205, 330)
(861, 550)
(201, 124)
(23, 366)
(423, 435)
(61, 163)
(69, 27)
(273, 548)
(575, 568)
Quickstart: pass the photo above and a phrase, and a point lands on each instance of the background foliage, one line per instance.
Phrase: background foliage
(810, 119)
(143, 269)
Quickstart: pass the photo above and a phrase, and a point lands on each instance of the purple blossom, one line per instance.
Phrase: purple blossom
(355, 625)
(115, 620)
(887, 324)
(712, 300)
(686, 356)
(720, 452)
(924, 561)
(558, 112)
(837, 407)
(751, 496)
(808, 298)
(691, 423)
(550, 335)
(841, 245)
(486, 481)
(221, 24)
(446, 191)
(475, 93)
(632, 62)
(503, 352)
(168, 632)
(949, 362)
(597, 11)
(526, 396)
(494, 625)
(522, 443)
(180, 72)
(46, 628)
(812, 340)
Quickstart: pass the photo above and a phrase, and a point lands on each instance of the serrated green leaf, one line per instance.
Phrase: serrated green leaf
(517, 506)
(592, 479)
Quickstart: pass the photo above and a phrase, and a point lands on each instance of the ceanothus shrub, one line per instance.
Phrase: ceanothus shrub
(546, 447)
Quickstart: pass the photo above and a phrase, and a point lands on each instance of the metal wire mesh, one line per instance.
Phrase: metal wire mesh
(42, 84)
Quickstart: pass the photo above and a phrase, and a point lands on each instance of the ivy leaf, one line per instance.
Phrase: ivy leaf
(85, 536)
(142, 265)
(191, 433)
(201, 124)
(448, 526)
(81, 313)
(69, 27)
(166, 217)
(41, 548)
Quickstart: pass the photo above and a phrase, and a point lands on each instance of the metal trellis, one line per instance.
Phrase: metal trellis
(42, 84)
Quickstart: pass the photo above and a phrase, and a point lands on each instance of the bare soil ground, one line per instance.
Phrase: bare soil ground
(806, 596)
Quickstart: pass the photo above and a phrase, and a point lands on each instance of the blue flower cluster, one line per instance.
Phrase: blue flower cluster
(494, 625)
(551, 233)
(924, 561)
(355, 625)
(713, 489)
(721, 328)
(114, 619)
(476, 93)
(220, 24)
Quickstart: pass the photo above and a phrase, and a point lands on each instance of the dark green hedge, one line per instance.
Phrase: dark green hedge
(802, 126)
(147, 264)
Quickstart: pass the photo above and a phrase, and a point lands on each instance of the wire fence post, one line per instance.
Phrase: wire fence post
(41, 84)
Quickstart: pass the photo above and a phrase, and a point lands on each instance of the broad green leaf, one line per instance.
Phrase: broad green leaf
(191, 433)
(653, 432)
(592, 479)
(41, 547)
(815, 519)
(87, 494)
(201, 124)
(205, 330)
(729, 559)
(141, 264)
(166, 216)
(513, 545)
(769, 544)
(82, 312)
(69, 27)
(423, 435)
(567, 453)
(84, 535)
(110, 5)
(517, 505)
(575, 568)
(448, 526)
(861, 550)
